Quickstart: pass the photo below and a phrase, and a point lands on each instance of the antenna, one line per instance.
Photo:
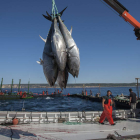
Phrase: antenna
(19, 85)
(12, 85)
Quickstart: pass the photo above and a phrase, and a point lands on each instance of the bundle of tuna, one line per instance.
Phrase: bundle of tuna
(60, 54)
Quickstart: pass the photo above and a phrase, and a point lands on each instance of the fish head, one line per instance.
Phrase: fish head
(74, 66)
(50, 74)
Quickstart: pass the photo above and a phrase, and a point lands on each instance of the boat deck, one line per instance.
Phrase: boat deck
(60, 131)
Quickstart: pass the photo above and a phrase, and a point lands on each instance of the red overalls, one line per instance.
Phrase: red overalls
(107, 113)
(20, 93)
(111, 109)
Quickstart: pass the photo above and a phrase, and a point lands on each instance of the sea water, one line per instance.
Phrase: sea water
(63, 103)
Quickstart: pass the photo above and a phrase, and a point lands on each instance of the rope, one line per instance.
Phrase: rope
(11, 132)
(72, 123)
(54, 8)
(117, 133)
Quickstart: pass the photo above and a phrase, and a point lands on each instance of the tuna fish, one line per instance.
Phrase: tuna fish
(58, 46)
(73, 62)
(49, 65)
(62, 78)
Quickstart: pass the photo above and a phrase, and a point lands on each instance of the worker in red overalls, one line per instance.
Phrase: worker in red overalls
(43, 92)
(107, 110)
(113, 103)
(24, 95)
(86, 93)
(20, 93)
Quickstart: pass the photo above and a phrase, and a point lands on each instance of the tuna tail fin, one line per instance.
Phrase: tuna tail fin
(48, 15)
(48, 18)
(43, 39)
(61, 13)
(71, 30)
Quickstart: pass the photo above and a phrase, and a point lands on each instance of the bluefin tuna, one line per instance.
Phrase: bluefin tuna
(58, 46)
(50, 68)
(73, 62)
(62, 78)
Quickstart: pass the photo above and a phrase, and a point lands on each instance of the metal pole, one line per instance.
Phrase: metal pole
(28, 86)
(1, 84)
(12, 85)
(84, 89)
(99, 89)
(137, 87)
(19, 85)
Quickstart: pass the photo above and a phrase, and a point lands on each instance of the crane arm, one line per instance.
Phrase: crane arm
(123, 12)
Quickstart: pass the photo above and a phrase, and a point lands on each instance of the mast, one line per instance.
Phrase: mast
(12, 85)
(137, 87)
(84, 88)
(1, 84)
(28, 86)
(99, 89)
(19, 85)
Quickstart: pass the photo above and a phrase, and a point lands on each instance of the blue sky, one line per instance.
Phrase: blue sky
(109, 51)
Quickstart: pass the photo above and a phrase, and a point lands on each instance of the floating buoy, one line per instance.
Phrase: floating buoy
(15, 121)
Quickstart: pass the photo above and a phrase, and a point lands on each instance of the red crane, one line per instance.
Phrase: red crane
(118, 7)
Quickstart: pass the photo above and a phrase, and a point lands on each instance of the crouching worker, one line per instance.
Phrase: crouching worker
(107, 112)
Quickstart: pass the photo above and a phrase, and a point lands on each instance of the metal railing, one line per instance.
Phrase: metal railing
(54, 117)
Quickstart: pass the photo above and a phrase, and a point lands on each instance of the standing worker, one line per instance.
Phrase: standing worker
(113, 103)
(90, 93)
(106, 103)
(86, 92)
(20, 93)
(132, 102)
(58, 91)
(43, 92)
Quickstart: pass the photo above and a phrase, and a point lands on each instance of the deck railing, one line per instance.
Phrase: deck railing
(55, 117)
